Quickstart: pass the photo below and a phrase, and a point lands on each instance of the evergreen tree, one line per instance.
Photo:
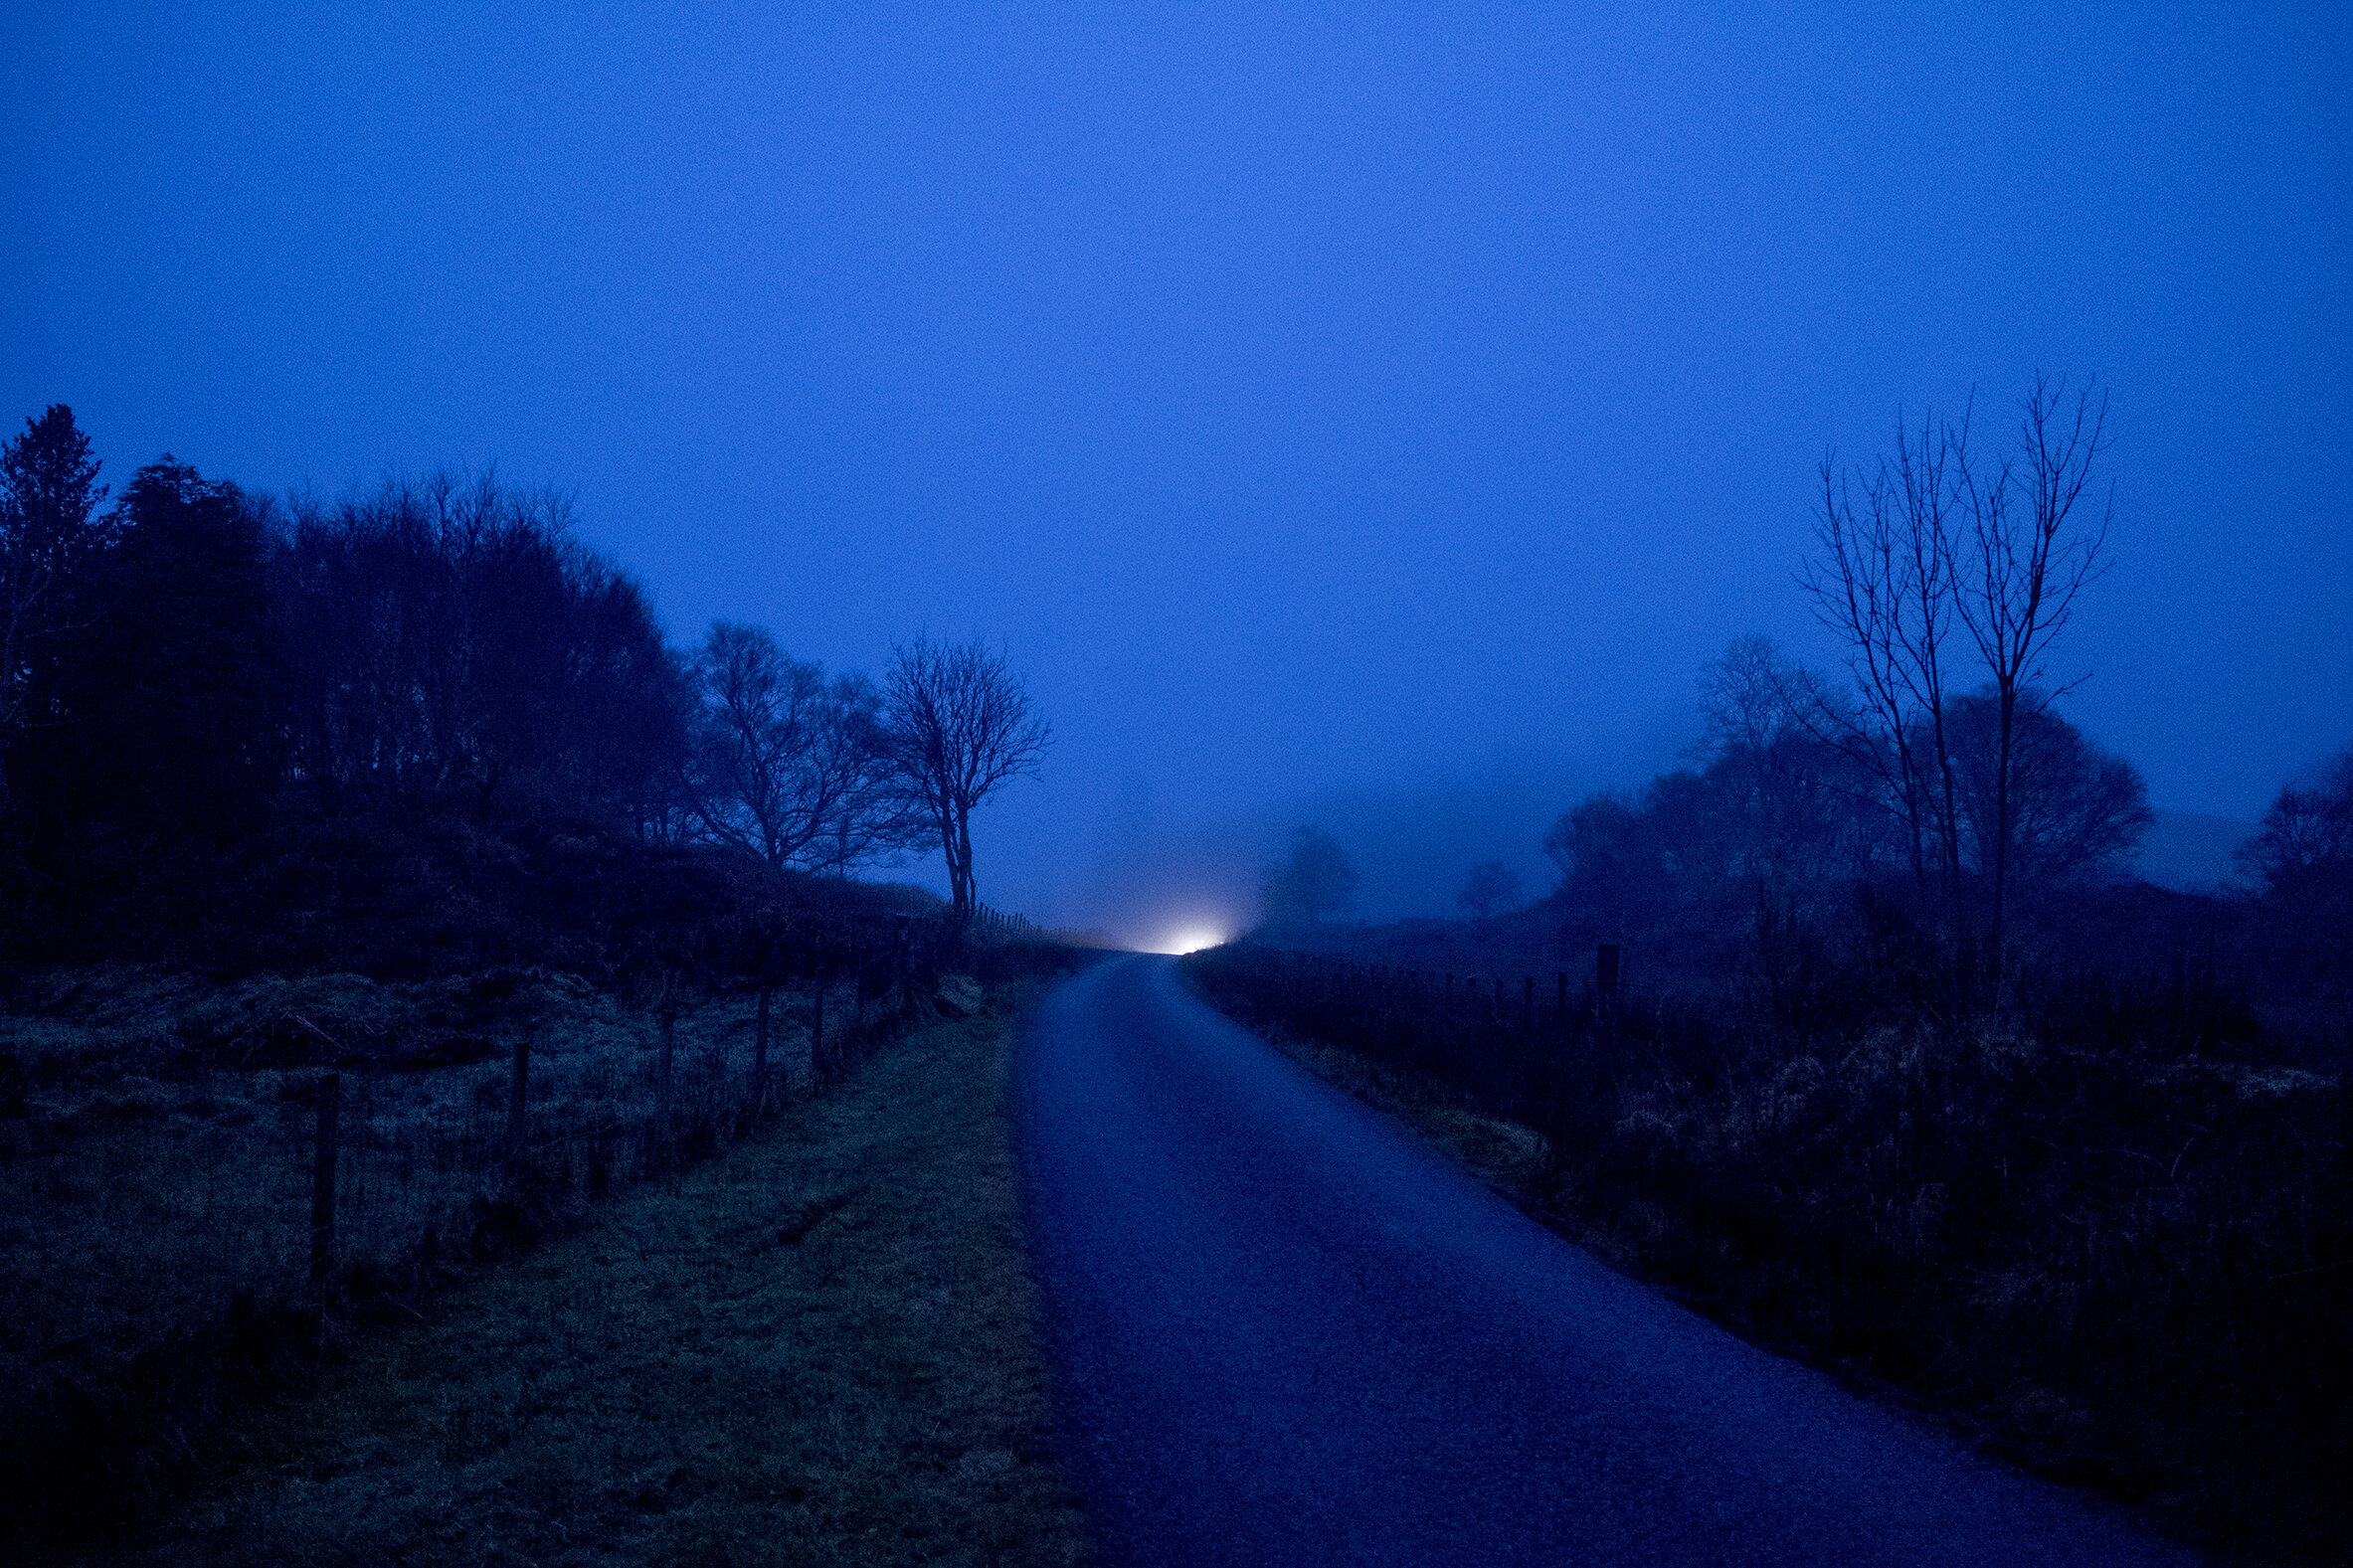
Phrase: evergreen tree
(49, 496)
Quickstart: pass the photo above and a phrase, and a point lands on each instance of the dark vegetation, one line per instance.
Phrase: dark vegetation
(2101, 1223)
(1898, 1070)
(818, 1348)
(363, 800)
(2103, 1215)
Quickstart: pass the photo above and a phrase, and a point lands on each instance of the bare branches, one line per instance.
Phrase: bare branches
(1935, 540)
(1887, 584)
(2031, 561)
(449, 634)
(787, 765)
(958, 727)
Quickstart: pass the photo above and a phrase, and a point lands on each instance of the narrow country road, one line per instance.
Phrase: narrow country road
(1287, 1333)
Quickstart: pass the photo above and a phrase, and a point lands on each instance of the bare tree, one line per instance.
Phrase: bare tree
(1792, 789)
(1887, 584)
(2307, 839)
(2030, 559)
(958, 727)
(760, 711)
(868, 817)
(1937, 541)
(2302, 860)
(1315, 880)
(788, 765)
(2073, 812)
(1490, 886)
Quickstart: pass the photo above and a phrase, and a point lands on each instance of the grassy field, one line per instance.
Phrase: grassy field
(156, 1162)
(816, 1348)
(161, 1165)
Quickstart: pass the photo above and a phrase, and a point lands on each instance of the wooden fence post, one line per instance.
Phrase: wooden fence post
(661, 1092)
(903, 966)
(322, 1182)
(516, 1128)
(760, 1055)
(816, 1035)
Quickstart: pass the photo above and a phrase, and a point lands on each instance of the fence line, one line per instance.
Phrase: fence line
(1546, 1061)
(164, 1183)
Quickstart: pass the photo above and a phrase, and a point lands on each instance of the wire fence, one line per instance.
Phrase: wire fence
(143, 1203)
(1545, 1051)
(311, 1156)
(190, 1206)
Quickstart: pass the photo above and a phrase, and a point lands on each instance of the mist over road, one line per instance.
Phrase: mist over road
(1287, 1333)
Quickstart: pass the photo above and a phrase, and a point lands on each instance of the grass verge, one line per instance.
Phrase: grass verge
(1782, 1295)
(818, 1349)
(156, 1184)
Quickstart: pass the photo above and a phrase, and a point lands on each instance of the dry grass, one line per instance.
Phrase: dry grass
(160, 1174)
(817, 1348)
(155, 1185)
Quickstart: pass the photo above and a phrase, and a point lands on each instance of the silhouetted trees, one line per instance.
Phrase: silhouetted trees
(453, 639)
(1802, 805)
(958, 727)
(2028, 560)
(200, 663)
(423, 729)
(1941, 548)
(1488, 887)
(1885, 581)
(1314, 879)
(156, 706)
(2040, 803)
(1781, 815)
(2305, 847)
(2302, 864)
(789, 766)
(48, 529)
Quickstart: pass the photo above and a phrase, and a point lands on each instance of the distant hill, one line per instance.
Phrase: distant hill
(2191, 852)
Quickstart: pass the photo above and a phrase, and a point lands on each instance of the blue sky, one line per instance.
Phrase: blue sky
(1335, 410)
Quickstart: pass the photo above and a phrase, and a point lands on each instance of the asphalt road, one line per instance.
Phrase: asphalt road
(1285, 1332)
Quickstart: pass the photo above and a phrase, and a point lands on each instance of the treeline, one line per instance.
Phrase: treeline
(1777, 813)
(195, 671)
(1779, 861)
(1776, 867)
(1935, 795)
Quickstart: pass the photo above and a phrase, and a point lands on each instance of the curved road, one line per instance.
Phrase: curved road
(1288, 1333)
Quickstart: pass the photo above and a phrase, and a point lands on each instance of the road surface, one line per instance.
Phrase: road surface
(1285, 1332)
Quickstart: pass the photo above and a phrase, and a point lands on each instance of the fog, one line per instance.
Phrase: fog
(1365, 419)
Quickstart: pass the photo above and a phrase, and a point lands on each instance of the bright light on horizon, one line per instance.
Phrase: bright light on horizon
(1192, 938)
